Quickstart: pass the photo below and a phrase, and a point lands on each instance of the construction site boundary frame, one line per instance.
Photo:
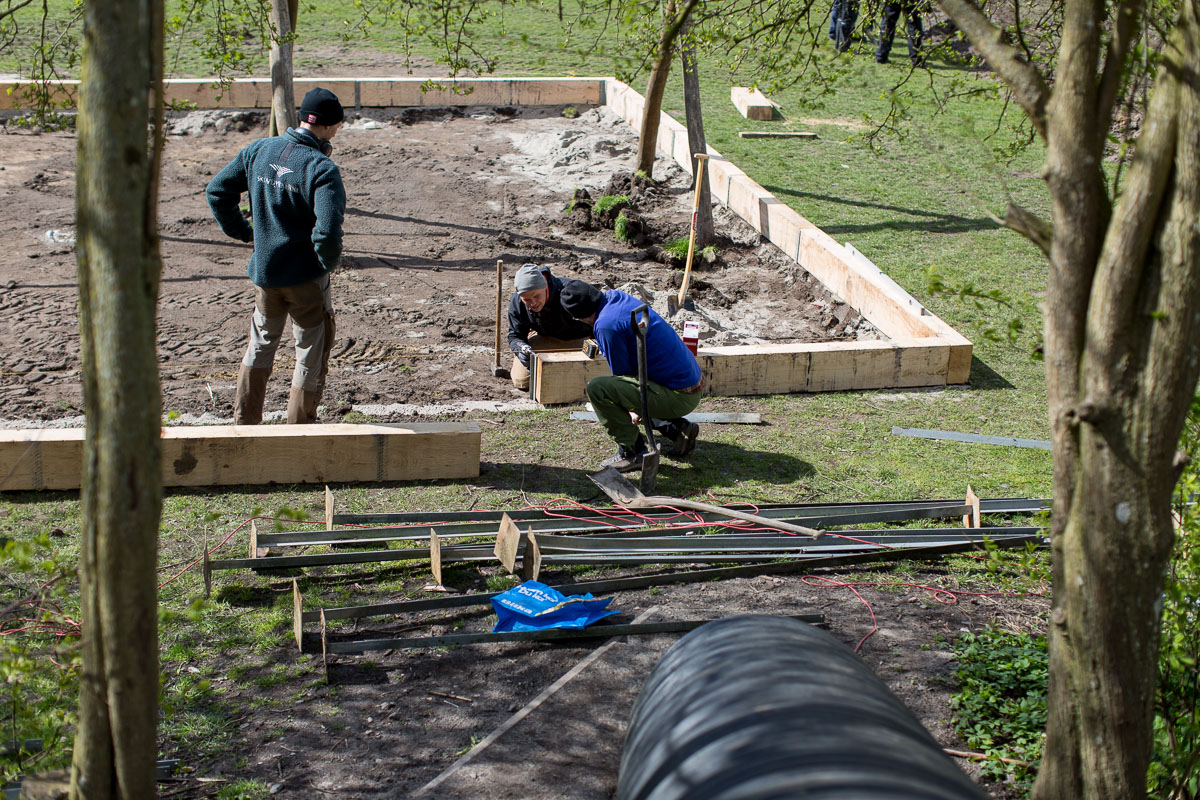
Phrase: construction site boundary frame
(919, 350)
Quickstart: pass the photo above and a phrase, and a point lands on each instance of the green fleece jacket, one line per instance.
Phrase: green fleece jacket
(296, 201)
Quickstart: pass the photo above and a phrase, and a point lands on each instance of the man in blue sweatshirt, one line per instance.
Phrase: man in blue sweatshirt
(674, 380)
(297, 204)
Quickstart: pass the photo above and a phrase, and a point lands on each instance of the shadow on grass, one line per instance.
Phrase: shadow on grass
(926, 221)
(984, 377)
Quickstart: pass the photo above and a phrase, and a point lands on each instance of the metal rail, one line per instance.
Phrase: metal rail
(599, 630)
(1036, 536)
(603, 549)
(808, 511)
(821, 516)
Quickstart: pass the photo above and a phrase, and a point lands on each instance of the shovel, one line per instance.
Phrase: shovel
(676, 303)
(639, 318)
(624, 493)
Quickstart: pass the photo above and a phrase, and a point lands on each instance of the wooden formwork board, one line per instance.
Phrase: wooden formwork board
(224, 455)
(775, 369)
(357, 92)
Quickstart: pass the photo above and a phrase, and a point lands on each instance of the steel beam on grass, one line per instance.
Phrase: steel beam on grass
(808, 511)
(815, 516)
(954, 436)
(476, 553)
(745, 543)
(599, 630)
(1033, 535)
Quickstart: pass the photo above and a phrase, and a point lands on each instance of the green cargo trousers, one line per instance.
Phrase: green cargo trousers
(613, 398)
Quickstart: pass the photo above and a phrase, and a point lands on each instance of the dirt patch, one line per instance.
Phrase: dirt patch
(389, 723)
(435, 197)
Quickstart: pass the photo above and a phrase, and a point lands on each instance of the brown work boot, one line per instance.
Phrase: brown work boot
(302, 406)
(251, 393)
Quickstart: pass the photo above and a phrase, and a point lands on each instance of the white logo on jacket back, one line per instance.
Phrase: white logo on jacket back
(280, 171)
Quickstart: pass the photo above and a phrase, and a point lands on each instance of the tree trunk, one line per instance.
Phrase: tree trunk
(121, 496)
(1124, 369)
(673, 21)
(283, 94)
(696, 143)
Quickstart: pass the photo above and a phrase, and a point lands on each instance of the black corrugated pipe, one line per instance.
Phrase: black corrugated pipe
(755, 707)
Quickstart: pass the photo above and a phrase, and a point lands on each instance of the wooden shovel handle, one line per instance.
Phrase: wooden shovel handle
(729, 512)
(687, 272)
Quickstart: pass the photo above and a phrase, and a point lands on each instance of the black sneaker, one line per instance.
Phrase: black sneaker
(627, 459)
(683, 437)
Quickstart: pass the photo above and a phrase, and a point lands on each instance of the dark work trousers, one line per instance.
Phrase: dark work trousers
(841, 23)
(891, 15)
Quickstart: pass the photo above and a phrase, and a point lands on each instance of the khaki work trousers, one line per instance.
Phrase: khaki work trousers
(614, 398)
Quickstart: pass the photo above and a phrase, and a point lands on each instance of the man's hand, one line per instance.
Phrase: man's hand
(523, 352)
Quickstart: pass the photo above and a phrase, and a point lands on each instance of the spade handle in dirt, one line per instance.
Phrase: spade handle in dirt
(624, 493)
(639, 318)
(687, 270)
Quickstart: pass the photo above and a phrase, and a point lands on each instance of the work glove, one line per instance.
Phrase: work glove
(523, 352)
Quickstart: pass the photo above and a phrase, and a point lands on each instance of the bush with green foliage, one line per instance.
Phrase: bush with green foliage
(39, 656)
(1000, 708)
(1175, 770)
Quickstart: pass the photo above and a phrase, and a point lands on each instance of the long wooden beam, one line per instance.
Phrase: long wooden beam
(778, 369)
(224, 455)
(353, 92)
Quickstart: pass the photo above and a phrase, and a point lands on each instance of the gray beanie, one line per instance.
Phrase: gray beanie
(529, 277)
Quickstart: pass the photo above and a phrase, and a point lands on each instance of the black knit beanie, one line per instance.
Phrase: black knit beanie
(580, 299)
(321, 107)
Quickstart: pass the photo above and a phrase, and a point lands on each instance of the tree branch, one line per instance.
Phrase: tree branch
(1029, 225)
(1111, 77)
(1027, 83)
(14, 8)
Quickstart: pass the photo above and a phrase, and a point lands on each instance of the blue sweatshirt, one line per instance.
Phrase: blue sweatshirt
(297, 203)
(668, 361)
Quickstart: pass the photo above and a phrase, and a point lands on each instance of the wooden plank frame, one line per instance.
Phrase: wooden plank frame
(225, 455)
(919, 349)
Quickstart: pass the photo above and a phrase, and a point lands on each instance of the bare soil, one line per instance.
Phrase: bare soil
(390, 723)
(435, 198)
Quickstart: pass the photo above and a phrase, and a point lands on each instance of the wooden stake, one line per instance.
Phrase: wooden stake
(324, 647)
(531, 559)
(297, 616)
(206, 568)
(508, 540)
(499, 307)
(972, 520)
(328, 508)
(435, 558)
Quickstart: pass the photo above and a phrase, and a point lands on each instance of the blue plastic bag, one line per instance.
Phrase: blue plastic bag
(534, 606)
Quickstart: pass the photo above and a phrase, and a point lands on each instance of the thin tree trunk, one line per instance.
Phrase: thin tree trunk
(697, 143)
(283, 95)
(657, 85)
(1118, 411)
(121, 496)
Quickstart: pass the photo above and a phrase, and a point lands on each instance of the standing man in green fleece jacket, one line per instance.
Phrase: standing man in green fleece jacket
(297, 204)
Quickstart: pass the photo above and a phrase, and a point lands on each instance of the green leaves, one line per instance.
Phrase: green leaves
(1000, 708)
(1175, 770)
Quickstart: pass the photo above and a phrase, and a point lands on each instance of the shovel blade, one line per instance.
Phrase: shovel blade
(649, 472)
(617, 487)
